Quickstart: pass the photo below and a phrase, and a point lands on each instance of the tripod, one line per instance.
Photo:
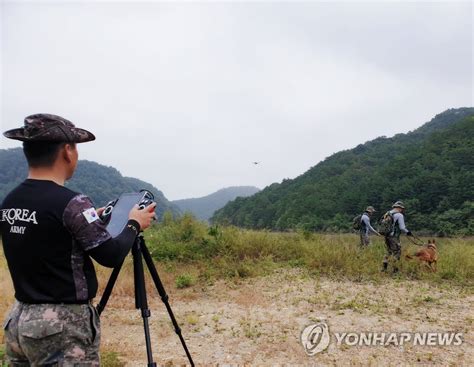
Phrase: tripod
(140, 252)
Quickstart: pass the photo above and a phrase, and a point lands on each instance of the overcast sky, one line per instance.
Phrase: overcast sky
(187, 95)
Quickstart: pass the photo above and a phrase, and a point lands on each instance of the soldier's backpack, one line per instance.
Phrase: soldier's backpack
(385, 225)
(356, 222)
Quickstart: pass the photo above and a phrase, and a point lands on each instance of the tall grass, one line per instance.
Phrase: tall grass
(233, 252)
(191, 252)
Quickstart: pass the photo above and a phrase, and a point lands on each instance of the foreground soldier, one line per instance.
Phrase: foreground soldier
(392, 239)
(366, 227)
(49, 235)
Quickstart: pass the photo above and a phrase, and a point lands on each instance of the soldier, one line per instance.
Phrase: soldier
(366, 227)
(392, 237)
(50, 234)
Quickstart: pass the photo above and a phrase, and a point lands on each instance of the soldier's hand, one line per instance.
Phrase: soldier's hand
(100, 211)
(143, 216)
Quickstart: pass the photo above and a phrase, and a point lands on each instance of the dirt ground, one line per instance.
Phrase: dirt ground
(259, 322)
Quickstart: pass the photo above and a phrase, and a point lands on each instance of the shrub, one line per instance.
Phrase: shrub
(184, 281)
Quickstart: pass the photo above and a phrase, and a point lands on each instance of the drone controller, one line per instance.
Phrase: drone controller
(116, 212)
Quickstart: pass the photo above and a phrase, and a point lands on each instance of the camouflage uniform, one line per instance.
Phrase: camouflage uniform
(52, 334)
(366, 227)
(394, 249)
(364, 238)
(392, 240)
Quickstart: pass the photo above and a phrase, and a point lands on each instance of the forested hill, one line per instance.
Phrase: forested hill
(100, 183)
(203, 208)
(430, 168)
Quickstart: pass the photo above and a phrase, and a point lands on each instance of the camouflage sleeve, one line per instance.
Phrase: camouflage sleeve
(82, 221)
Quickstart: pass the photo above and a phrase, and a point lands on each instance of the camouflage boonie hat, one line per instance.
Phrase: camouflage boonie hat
(370, 209)
(52, 128)
(399, 204)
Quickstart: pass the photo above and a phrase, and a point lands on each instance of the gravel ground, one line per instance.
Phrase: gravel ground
(259, 322)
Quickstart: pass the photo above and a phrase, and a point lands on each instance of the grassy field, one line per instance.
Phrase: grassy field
(227, 252)
(235, 284)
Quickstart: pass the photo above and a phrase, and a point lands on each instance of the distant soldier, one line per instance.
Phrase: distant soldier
(394, 224)
(366, 227)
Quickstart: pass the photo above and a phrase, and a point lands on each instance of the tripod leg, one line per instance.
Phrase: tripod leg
(108, 289)
(164, 296)
(141, 301)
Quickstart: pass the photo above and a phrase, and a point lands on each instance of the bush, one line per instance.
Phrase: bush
(184, 281)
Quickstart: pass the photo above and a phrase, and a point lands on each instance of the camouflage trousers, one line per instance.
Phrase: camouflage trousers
(364, 239)
(394, 249)
(52, 335)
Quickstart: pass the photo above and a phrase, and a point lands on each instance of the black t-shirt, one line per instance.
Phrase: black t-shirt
(46, 230)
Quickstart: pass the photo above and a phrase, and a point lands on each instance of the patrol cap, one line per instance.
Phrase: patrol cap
(51, 128)
(370, 209)
(398, 204)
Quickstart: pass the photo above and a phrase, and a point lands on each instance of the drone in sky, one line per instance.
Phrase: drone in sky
(255, 163)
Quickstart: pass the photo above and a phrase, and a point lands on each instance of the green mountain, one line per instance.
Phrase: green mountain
(203, 208)
(430, 168)
(101, 183)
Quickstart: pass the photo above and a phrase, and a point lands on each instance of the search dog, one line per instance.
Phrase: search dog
(427, 255)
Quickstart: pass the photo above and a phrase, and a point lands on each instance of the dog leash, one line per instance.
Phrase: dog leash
(414, 239)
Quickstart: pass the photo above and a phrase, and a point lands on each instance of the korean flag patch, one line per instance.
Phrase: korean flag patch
(91, 215)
